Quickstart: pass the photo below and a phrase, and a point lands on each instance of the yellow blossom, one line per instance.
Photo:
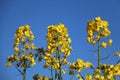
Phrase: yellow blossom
(27, 46)
(56, 66)
(8, 63)
(98, 18)
(102, 78)
(94, 42)
(23, 38)
(69, 40)
(80, 65)
(88, 77)
(89, 39)
(109, 43)
(31, 38)
(27, 33)
(117, 53)
(32, 46)
(97, 37)
(16, 47)
(32, 61)
(96, 29)
(104, 44)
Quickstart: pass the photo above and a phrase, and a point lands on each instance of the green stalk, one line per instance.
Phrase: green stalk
(56, 71)
(24, 74)
(98, 52)
(60, 76)
(24, 71)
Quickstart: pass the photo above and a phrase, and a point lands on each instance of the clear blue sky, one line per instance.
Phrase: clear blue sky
(41, 13)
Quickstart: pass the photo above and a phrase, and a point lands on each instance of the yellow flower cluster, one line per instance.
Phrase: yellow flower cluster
(23, 37)
(80, 65)
(96, 75)
(57, 38)
(58, 42)
(117, 53)
(23, 61)
(104, 44)
(38, 77)
(109, 72)
(52, 61)
(88, 77)
(96, 29)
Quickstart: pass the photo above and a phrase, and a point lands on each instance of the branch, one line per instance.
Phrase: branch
(18, 69)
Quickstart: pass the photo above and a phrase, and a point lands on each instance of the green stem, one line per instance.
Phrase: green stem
(56, 71)
(98, 52)
(24, 71)
(56, 74)
(60, 76)
(24, 74)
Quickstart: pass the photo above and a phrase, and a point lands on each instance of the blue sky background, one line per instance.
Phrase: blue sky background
(41, 13)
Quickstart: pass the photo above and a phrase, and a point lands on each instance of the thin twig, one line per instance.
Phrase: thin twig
(18, 69)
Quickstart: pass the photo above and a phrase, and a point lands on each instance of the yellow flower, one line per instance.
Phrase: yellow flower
(31, 33)
(80, 65)
(93, 42)
(102, 78)
(87, 64)
(88, 39)
(16, 48)
(104, 44)
(66, 54)
(56, 66)
(105, 23)
(27, 27)
(21, 28)
(90, 32)
(109, 43)
(96, 76)
(32, 61)
(81, 79)
(97, 37)
(31, 38)
(8, 63)
(23, 38)
(29, 55)
(98, 18)
(17, 40)
(57, 42)
(32, 46)
(96, 29)
(27, 46)
(88, 77)
(117, 53)
(69, 40)
(27, 33)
